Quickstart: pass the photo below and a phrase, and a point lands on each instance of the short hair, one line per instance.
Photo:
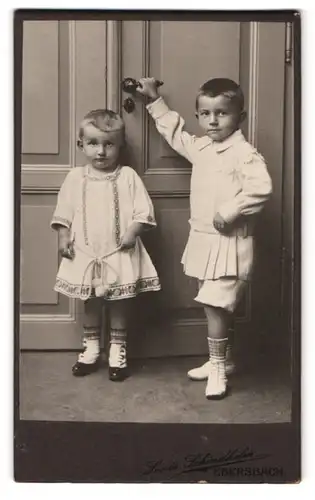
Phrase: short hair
(222, 86)
(105, 120)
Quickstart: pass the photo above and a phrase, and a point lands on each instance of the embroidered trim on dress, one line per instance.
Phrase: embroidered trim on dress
(110, 177)
(81, 291)
(105, 177)
(84, 222)
(116, 212)
(115, 292)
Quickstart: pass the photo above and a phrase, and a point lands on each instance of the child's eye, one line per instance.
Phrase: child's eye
(204, 113)
(92, 143)
(109, 144)
(222, 113)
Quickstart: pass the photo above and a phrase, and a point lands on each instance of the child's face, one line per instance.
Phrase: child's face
(101, 148)
(218, 116)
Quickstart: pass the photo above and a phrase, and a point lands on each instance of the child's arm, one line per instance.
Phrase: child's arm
(168, 123)
(143, 212)
(256, 190)
(63, 216)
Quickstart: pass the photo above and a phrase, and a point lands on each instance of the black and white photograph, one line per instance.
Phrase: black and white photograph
(158, 239)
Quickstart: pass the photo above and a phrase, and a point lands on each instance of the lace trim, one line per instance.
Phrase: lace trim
(105, 177)
(116, 212)
(113, 178)
(114, 292)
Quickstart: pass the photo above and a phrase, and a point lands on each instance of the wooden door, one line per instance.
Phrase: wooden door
(94, 56)
(184, 55)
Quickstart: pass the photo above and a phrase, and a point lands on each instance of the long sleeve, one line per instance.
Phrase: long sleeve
(256, 190)
(170, 125)
(64, 211)
(143, 210)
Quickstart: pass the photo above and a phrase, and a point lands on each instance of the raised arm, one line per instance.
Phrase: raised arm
(168, 123)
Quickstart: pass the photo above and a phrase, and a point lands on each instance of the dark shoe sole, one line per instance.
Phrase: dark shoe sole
(84, 369)
(118, 374)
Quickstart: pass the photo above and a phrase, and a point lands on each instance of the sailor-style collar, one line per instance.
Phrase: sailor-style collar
(234, 139)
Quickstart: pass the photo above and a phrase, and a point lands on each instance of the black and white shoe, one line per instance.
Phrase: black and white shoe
(89, 359)
(80, 369)
(118, 370)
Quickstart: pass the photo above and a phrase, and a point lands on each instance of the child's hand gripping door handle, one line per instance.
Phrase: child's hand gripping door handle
(129, 85)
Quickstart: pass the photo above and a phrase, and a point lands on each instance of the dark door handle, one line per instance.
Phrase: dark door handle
(129, 105)
(129, 85)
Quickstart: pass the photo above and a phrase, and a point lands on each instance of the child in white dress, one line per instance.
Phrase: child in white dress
(229, 185)
(102, 210)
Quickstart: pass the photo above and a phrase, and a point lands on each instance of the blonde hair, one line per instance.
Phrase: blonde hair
(103, 119)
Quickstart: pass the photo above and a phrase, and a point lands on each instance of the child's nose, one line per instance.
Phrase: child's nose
(213, 119)
(101, 149)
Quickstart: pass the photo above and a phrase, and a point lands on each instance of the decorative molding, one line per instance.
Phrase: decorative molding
(47, 318)
(169, 171)
(45, 179)
(170, 194)
(72, 93)
(145, 116)
(35, 168)
(113, 65)
(253, 82)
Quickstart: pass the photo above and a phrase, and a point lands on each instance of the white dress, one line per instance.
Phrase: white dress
(98, 210)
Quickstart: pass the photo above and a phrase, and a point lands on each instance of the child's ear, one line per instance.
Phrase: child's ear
(196, 114)
(79, 144)
(243, 116)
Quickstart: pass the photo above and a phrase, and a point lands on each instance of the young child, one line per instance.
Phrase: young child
(102, 210)
(229, 184)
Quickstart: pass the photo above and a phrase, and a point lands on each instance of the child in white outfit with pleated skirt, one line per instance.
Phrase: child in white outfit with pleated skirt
(229, 185)
(102, 209)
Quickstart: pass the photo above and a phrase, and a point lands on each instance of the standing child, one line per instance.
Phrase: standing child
(102, 210)
(229, 184)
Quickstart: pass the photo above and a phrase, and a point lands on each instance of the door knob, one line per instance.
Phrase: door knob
(129, 85)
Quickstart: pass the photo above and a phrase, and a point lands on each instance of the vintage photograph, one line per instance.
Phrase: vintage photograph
(157, 226)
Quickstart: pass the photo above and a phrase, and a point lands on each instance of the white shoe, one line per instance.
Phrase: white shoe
(201, 372)
(217, 382)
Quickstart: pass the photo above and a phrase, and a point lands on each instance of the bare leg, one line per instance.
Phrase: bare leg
(218, 322)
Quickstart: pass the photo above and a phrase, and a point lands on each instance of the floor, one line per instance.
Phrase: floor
(158, 392)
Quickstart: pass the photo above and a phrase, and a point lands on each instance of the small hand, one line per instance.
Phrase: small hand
(65, 244)
(67, 252)
(148, 88)
(128, 241)
(219, 223)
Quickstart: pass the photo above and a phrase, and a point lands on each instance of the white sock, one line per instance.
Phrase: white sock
(91, 352)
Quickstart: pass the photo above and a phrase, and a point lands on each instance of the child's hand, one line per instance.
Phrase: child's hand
(148, 88)
(128, 241)
(65, 244)
(219, 223)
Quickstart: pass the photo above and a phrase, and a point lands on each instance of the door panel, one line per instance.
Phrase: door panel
(50, 320)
